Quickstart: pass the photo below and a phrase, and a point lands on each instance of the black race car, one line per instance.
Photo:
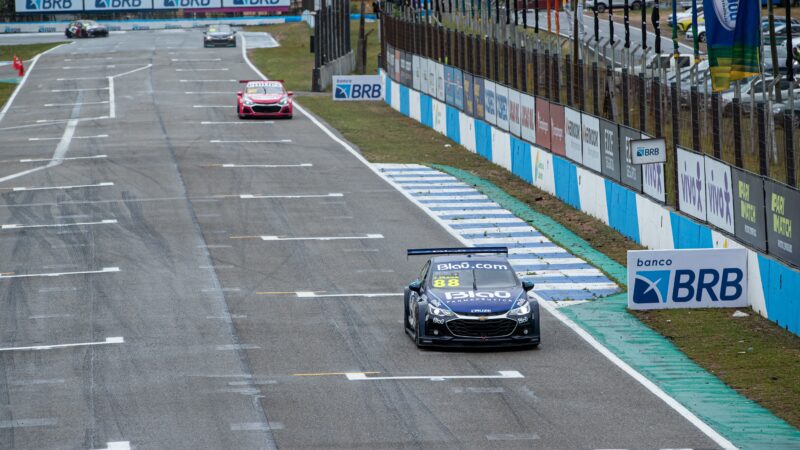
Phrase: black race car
(85, 28)
(470, 297)
(219, 36)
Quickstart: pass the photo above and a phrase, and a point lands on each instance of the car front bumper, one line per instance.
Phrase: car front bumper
(470, 332)
(272, 110)
(219, 43)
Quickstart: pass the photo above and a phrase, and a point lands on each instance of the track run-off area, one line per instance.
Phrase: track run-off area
(174, 277)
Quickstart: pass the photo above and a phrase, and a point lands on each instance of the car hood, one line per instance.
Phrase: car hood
(489, 301)
(219, 34)
(272, 98)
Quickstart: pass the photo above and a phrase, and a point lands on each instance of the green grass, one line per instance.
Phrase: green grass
(769, 374)
(25, 53)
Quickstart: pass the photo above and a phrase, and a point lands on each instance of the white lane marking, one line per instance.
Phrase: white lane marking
(82, 119)
(463, 205)
(321, 238)
(237, 347)
(503, 374)
(220, 290)
(265, 122)
(16, 226)
(309, 294)
(50, 105)
(80, 78)
(252, 196)
(22, 82)
(209, 92)
(80, 90)
(208, 81)
(222, 69)
(59, 274)
(196, 60)
(59, 160)
(99, 136)
(87, 59)
(37, 382)
(58, 155)
(210, 106)
(256, 426)
(112, 105)
(109, 340)
(480, 221)
(264, 166)
(47, 188)
(110, 66)
(117, 445)
(26, 423)
(571, 286)
(511, 240)
(131, 71)
(278, 141)
(512, 437)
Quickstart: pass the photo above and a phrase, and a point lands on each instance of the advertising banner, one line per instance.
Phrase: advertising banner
(469, 95)
(574, 140)
(691, 183)
(114, 5)
(719, 194)
(501, 102)
(489, 102)
(630, 174)
(783, 214)
(390, 61)
(749, 220)
(457, 78)
(590, 130)
(408, 69)
(189, 4)
(558, 143)
(514, 125)
(48, 6)
(696, 278)
(432, 78)
(527, 114)
(398, 66)
(423, 75)
(543, 123)
(448, 85)
(357, 87)
(653, 181)
(416, 68)
(478, 97)
(647, 151)
(254, 3)
(609, 146)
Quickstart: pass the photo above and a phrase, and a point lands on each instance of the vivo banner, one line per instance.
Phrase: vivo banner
(719, 195)
(692, 183)
(696, 278)
(357, 87)
(527, 120)
(514, 99)
(574, 142)
(590, 127)
(489, 102)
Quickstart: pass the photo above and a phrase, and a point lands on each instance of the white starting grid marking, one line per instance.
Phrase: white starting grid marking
(208, 81)
(239, 122)
(80, 90)
(117, 445)
(59, 274)
(278, 141)
(196, 60)
(503, 374)
(264, 166)
(211, 106)
(49, 105)
(221, 69)
(109, 340)
(47, 188)
(14, 226)
(321, 238)
(252, 196)
(311, 294)
(62, 159)
(99, 136)
(208, 92)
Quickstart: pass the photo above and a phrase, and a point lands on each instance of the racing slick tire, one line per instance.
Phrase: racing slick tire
(239, 111)
(411, 330)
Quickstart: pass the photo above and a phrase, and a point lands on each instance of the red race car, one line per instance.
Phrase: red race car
(264, 99)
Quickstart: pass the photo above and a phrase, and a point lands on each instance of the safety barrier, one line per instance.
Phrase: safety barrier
(498, 133)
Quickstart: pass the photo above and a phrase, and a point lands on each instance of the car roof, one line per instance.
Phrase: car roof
(459, 258)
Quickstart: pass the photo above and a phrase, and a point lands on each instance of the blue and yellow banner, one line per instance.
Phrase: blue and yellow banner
(733, 32)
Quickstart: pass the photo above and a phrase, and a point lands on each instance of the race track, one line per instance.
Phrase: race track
(140, 305)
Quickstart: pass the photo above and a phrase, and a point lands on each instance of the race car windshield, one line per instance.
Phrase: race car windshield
(219, 29)
(473, 279)
(264, 90)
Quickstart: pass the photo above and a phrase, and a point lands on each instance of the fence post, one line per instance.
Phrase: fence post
(523, 60)
(715, 126)
(626, 115)
(595, 89)
(548, 84)
(788, 135)
(642, 102)
(496, 58)
(695, 118)
(676, 128)
(658, 105)
(488, 57)
(763, 167)
(737, 132)
(535, 58)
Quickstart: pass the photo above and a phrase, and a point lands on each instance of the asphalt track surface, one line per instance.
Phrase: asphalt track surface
(190, 329)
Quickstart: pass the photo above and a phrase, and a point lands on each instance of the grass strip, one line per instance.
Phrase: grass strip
(24, 52)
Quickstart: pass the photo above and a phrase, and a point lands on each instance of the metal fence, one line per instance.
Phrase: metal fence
(623, 85)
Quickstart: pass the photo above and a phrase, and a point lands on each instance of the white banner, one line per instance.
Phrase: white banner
(719, 194)
(696, 278)
(501, 96)
(357, 87)
(691, 183)
(416, 71)
(46, 6)
(514, 124)
(489, 102)
(115, 5)
(590, 131)
(440, 81)
(527, 122)
(186, 4)
(574, 138)
(254, 3)
(431, 78)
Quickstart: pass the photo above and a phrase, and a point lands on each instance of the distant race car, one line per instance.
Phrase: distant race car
(264, 99)
(219, 36)
(470, 297)
(85, 28)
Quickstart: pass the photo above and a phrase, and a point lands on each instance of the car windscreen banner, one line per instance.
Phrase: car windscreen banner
(692, 183)
(490, 102)
(609, 149)
(469, 95)
(590, 130)
(542, 123)
(719, 194)
(527, 120)
(558, 143)
(630, 174)
(479, 91)
(748, 204)
(688, 278)
(574, 135)
(514, 112)
(415, 67)
(783, 214)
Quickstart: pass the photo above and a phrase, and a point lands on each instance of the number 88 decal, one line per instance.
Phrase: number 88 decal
(449, 282)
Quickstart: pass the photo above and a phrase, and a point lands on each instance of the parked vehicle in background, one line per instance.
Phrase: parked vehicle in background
(684, 15)
(755, 91)
(603, 5)
(701, 33)
(685, 23)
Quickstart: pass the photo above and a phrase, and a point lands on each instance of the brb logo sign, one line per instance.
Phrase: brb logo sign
(117, 4)
(707, 278)
(354, 88)
(47, 5)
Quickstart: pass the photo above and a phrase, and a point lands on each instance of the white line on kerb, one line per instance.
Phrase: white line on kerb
(109, 340)
(252, 196)
(99, 136)
(321, 238)
(15, 226)
(503, 374)
(278, 141)
(49, 105)
(308, 294)
(59, 274)
(265, 166)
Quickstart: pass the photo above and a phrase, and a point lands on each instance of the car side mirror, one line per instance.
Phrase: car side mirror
(290, 93)
(527, 285)
(239, 93)
(415, 286)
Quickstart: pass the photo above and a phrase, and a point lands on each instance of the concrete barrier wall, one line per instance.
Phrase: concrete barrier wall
(774, 287)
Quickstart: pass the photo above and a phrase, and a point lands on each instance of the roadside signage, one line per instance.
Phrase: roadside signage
(648, 151)
(694, 278)
(692, 183)
(357, 87)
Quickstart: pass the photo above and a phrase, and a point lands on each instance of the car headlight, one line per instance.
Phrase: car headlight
(284, 101)
(523, 308)
(438, 311)
(248, 102)
(231, 37)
